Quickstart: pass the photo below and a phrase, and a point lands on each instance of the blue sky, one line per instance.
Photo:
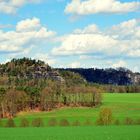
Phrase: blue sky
(72, 33)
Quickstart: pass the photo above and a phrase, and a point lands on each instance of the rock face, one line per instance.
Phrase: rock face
(135, 78)
(29, 69)
(42, 72)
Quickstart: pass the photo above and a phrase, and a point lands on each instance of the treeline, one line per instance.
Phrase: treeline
(117, 88)
(120, 76)
(26, 72)
(19, 67)
(54, 95)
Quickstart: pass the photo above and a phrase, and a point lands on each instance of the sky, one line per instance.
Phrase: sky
(72, 33)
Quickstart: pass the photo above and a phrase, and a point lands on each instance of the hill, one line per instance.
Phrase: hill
(120, 76)
(26, 68)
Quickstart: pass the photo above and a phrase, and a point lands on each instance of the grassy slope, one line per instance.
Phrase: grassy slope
(122, 105)
(72, 133)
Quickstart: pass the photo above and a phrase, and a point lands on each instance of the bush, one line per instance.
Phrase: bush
(128, 121)
(24, 123)
(38, 122)
(117, 122)
(10, 123)
(76, 123)
(52, 122)
(105, 117)
(1, 123)
(64, 122)
(138, 122)
(87, 123)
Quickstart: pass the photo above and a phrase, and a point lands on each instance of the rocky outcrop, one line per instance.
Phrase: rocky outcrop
(135, 78)
(29, 69)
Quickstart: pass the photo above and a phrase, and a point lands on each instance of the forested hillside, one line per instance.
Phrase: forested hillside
(27, 84)
(120, 76)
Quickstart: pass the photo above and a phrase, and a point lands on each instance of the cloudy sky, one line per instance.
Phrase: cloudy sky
(72, 33)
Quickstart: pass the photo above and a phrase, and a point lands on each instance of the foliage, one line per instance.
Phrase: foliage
(34, 85)
(10, 123)
(24, 122)
(72, 78)
(138, 122)
(116, 122)
(38, 122)
(111, 76)
(52, 122)
(64, 122)
(87, 123)
(128, 121)
(76, 123)
(1, 123)
(105, 117)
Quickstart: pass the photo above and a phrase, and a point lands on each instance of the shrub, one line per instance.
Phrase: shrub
(138, 122)
(76, 123)
(87, 123)
(52, 122)
(0, 123)
(24, 123)
(117, 122)
(105, 117)
(64, 122)
(38, 122)
(10, 123)
(128, 121)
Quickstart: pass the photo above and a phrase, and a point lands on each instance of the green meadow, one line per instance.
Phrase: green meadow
(122, 106)
(72, 133)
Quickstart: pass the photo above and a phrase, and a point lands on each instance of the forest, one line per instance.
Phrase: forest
(27, 84)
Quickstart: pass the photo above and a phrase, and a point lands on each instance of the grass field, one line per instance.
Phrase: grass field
(72, 133)
(122, 105)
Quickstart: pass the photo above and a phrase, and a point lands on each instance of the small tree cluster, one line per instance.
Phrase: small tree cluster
(64, 122)
(38, 122)
(76, 123)
(52, 122)
(10, 123)
(129, 121)
(105, 117)
(24, 123)
(87, 123)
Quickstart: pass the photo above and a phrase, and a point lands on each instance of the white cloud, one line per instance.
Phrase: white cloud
(85, 7)
(74, 65)
(28, 25)
(28, 33)
(46, 58)
(11, 6)
(120, 40)
(86, 43)
(136, 69)
(3, 26)
(127, 29)
(120, 63)
(88, 30)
